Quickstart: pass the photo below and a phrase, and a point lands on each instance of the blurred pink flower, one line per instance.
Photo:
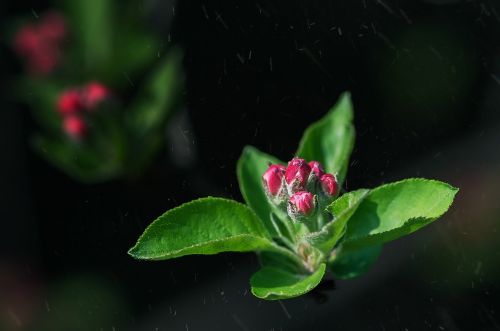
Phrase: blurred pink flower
(39, 44)
(75, 127)
(93, 94)
(70, 102)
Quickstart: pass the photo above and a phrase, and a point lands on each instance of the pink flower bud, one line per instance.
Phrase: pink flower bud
(317, 168)
(272, 178)
(329, 184)
(302, 202)
(69, 102)
(75, 127)
(296, 174)
(94, 93)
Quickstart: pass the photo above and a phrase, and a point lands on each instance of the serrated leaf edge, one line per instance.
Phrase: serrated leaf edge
(283, 295)
(146, 231)
(453, 191)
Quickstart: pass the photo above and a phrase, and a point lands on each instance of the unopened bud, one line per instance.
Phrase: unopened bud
(93, 94)
(329, 185)
(296, 175)
(75, 127)
(69, 102)
(317, 168)
(301, 203)
(273, 179)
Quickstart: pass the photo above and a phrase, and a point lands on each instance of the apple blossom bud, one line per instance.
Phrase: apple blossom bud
(302, 202)
(69, 102)
(93, 94)
(329, 184)
(317, 168)
(296, 175)
(75, 127)
(273, 179)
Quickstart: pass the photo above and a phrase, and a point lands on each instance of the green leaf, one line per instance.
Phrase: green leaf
(272, 283)
(342, 209)
(158, 97)
(150, 111)
(280, 261)
(92, 26)
(331, 139)
(97, 158)
(250, 168)
(352, 263)
(134, 53)
(204, 226)
(397, 209)
(137, 47)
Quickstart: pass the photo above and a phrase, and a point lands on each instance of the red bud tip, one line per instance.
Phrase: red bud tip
(317, 168)
(297, 170)
(273, 177)
(69, 102)
(329, 184)
(94, 93)
(303, 202)
(75, 127)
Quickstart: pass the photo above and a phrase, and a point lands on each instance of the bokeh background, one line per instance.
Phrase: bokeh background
(425, 82)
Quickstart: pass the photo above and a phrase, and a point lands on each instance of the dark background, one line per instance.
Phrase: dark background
(425, 82)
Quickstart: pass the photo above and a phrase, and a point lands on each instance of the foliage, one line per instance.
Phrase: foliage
(294, 259)
(106, 41)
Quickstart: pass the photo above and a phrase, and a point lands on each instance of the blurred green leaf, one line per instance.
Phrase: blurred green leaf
(98, 158)
(355, 262)
(204, 226)
(133, 53)
(272, 283)
(250, 168)
(393, 210)
(78, 161)
(331, 140)
(158, 96)
(110, 40)
(149, 113)
(92, 26)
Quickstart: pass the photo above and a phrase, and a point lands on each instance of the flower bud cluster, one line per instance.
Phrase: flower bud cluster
(39, 44)
(299, 187)
(73, 103)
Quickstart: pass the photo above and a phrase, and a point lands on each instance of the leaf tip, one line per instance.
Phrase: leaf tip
(131, 252)
(248, 149)
(345, 95)
(344, 104)
(134, 251)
